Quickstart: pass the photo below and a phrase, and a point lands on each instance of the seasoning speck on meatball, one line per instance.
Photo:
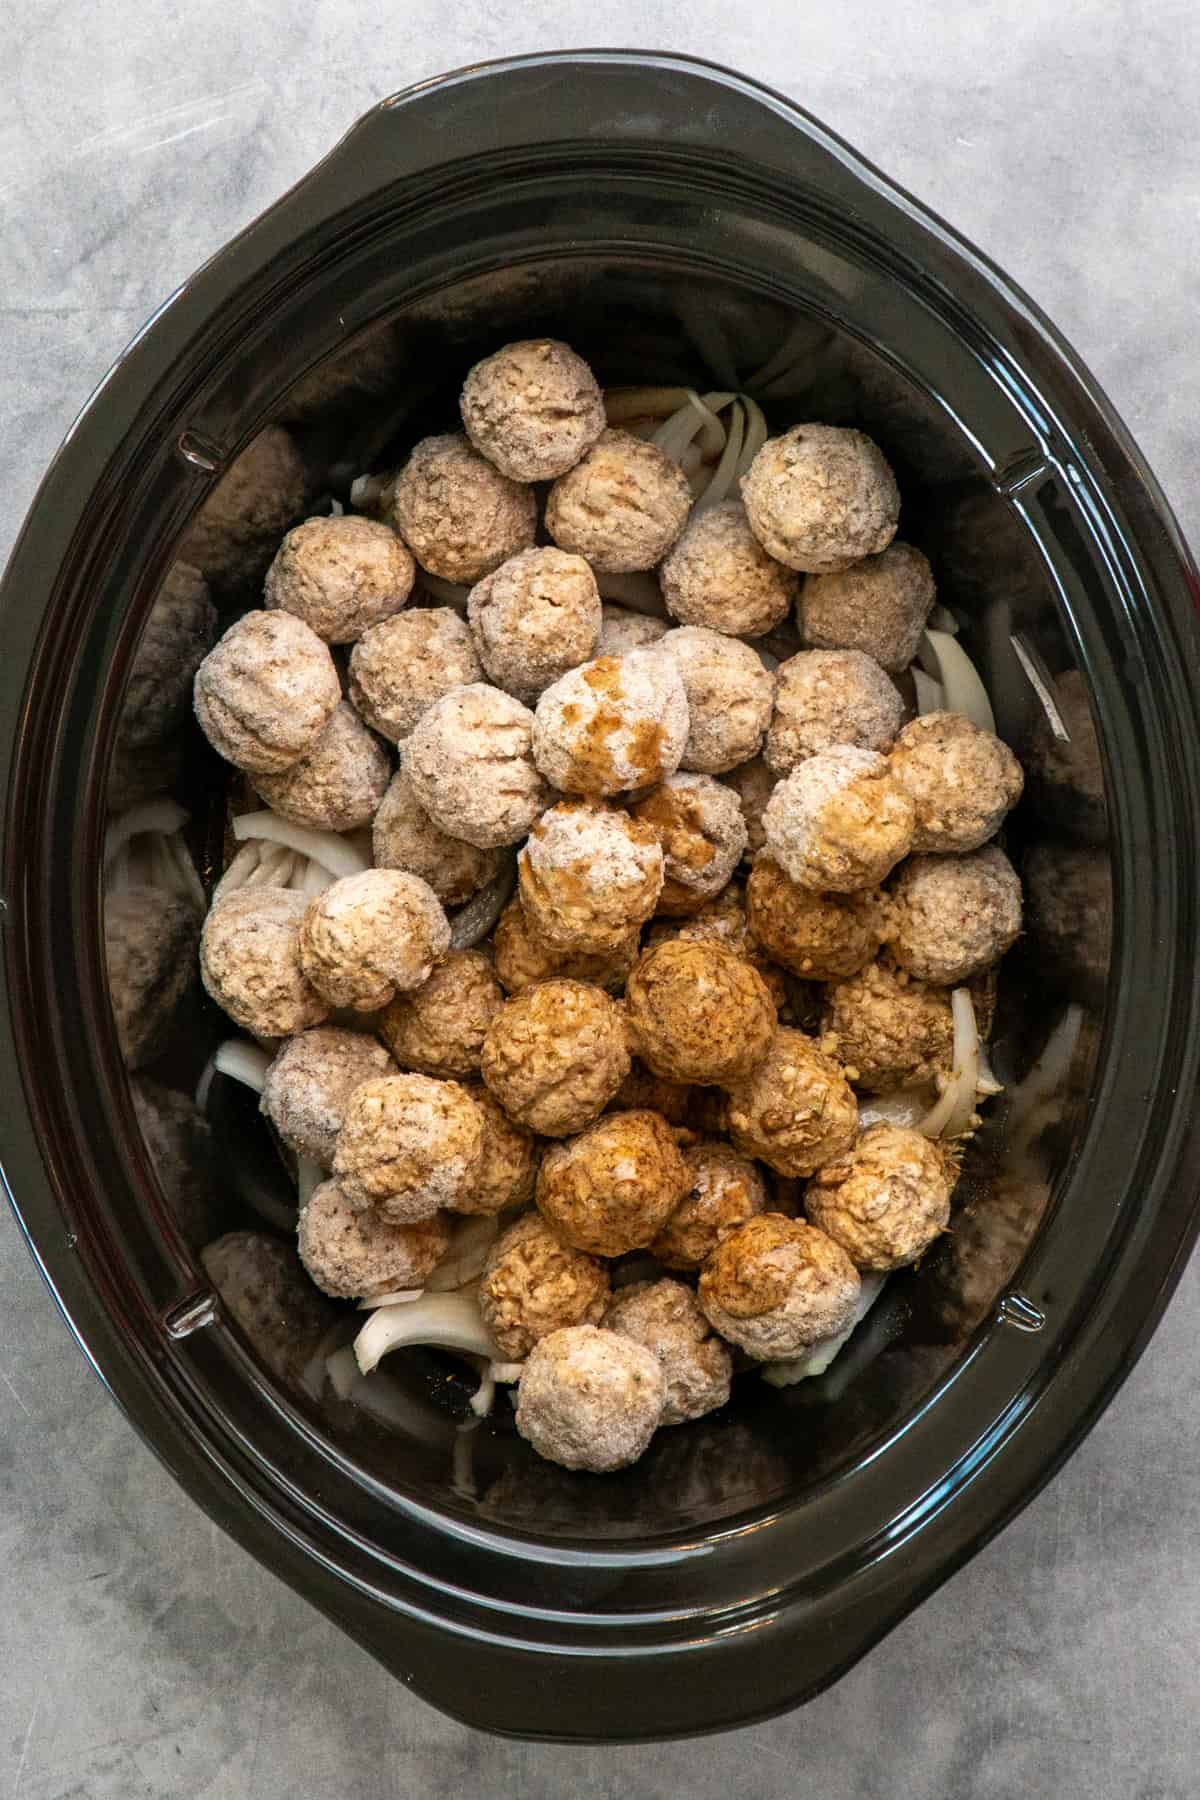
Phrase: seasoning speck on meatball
(471, 767)
(955, 915)
(408, 1146)
(611, 725)
(887, 1200)
(820, 497)
(555, 1055)
(533, 1284)
(820, 937)
(889, 1030)
(839, 823)
(532, 409)
(250, 962)
(777, 1285)
(795, 1110)
(828, 697)
(613, 1188)
(622, 630)
(533, 619)
(403, 836)
(401, 666)
(622, 506)
(309, 1082)
(522, 958)
(729, 694)
(371, 935)
(724, 1189)
(590, 1399)
(696, 1012)
(962, 781)
(700, 827)
(665, 1317)
(340, 575)
(718, 575)
(353, 1254)
(265, 692)
(589, 876)
(339, 784)
(878, 606)
(460, 517)
(439, 1027)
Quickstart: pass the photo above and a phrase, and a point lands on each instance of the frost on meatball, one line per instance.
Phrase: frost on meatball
(889, 1030)
(700, 827)
(150, 951)
(339, 784)
(718, 575)
(887, 1200)
(440, 1026)
(820, 937)
(724, 1189)
(777, 1285)
(340, 575)
(696, 1012)
(589, 876)
(614, 1187)
(622, 630)
(838, 823)
(954, 916)
(354, 1255)
(460, 517)
(622, 506)
(408, 1146)
(178, 634)
(753, 783)
(508, 1164)
(878, 606)
(729, 695)
(820, 497)
(555, 1055)
(532, 409)
(471, 766)
(962, 781)
(370, 936)
(265, 692)
(401, 666)
(533, 1284)
(403, 836)
(665, 1318)
(612, 725)
(250, 962)
(237, 530)
(590, 1399)
(828, 697)
(533, 619)
(522, 958)
(310, 1081)
(795, 1110)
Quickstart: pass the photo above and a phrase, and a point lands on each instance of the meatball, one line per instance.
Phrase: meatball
(371, 935)
(614, 724)
(339, 784)
(838, 822)
(471, 766)
(753, 783)
(401, 666)
(340, 575)
(795, 1110)
(774, 1286)
(729, 697)
(700, 827)
(178, 634)
(889, 1030)
(642, 1091)
(403, 836)
(150, 951)
(509, 1163)
(696, 1012)
(820, 937)
(722, 921)
(555, 1055)
(408, 1146)
(665, 1317)
(955, 915)
(589, 876)
(878, 606)
(533, 1284)
(532, 409)
(460, 517)
(961, 780)
(354, 1255)
(522, 959)
(887, 1200)
(265, 692)
(828, 697)
(439, 1028)
(237, 530)
(614, 1187)
(250, 962)
(533, 619)
(622, 630)
(821, 497)
(590, 1399)
(724, 1190)
(310, 1082)
(719, 576)
(622, 506)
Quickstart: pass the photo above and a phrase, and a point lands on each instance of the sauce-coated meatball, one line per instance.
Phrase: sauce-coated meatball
(795, 1110)
(887, 1200)
(614, 1187)
(533, 1284)
(777, 1285)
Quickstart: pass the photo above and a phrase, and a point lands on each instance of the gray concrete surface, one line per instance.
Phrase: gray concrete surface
(141, 1653)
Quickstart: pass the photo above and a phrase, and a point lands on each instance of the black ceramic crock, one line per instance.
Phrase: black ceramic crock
(675, 222)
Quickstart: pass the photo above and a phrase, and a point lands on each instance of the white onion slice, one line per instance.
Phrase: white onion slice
(931, 697)
(624, 405)
(819, 1356)
(324, 847)
(445, 1321)
(398, 1297)
(242, 1062)
(484, 1397)
(756, 433)
(951, 1116)
(726, 470)
(506, 1373)
(960, 679)
(471, 1239)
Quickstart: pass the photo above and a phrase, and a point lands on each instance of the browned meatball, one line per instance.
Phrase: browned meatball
(508, 1165)
(955, 915)
(613, 1188)
(612, 725)
(796, 1110)
(340, 576)
(532, 409)
(460, 517)
(820, 497)
(533, 1284)
(622, 506)
(697, 1012)
(408, 1146)
(440, 1026)
(961, 780)
(555, 1055)
(887, 1200)
(889, 1030)
(777, 1285)
(589, 876)
(724, 1190)
(522, 958)
(820, 937)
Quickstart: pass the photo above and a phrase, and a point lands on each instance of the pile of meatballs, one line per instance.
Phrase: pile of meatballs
(744, 892)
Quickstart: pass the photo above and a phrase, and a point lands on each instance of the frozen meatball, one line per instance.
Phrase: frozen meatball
(403, 836)
(250, 962)
(700, 827)
(889, 1030)
(533, 1284)
(508, 1165)
(408, 1146)
(353, 1254)
(642, 1091)
(340, 575)
(777, 1285)
(955, 915)
(622, 630)
(753, 783)
(533, 618)
(460, 517)
(471, 766)
(178, 634)
(237, 530)
(962, 781)
(311, 1078)
(696, 1012)
(887, 1200)
(150, 950)
(724, 1190)
(371, 935)
(820, 937)
(590, 1399)
(532, 409)
(820, 497)
(522, 959)
(839, 823)
(555, 1055)
(265, 692)
(795, 1110)
(338, 786)
(614, 724)
(729, 694)
(439, 1027)
(622, 506)
(719, 576)
(722, 921)
(614, 1187)
(589, 876)
(878, 606)
(665, 1317)
(828, 697)
(401, 666)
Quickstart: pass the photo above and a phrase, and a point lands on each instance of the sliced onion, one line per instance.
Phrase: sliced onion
(243, 1062)
(931, 697)
(726, 470)
(473, 921)
(484, 1397)
(324, 847)
(943, 656)
(370, 493)
(986, 1084)
(818, 1357)
(445, 1321)
(506, 1373)
(624, 405)
(398, 1297)
(756, 433)
(942, 619)
(470, 1241)
(951, 1116)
